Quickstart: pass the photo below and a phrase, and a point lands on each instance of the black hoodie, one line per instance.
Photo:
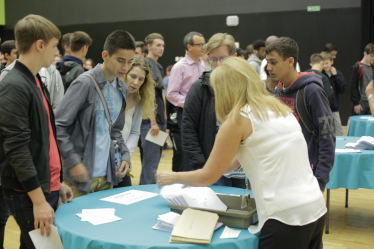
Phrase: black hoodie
(70, 68)
(321, 153)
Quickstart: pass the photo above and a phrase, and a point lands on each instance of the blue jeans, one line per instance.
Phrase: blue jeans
(151, 156)
(4, 215)
(21, 207)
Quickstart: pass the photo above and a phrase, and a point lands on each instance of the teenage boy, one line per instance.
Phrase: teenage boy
(331, 49)
(65, 43)
(31, 169)
(138, 48)
(316, 63)
(264, 62)
(338, 86)
(151, 151)
(258, 55)
(8, 49)
(361, 75)
(282, 56)
(85, 139)
(71, 66)
(186, 71)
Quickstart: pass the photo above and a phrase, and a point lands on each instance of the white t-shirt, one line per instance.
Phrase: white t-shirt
(275, 159)
(128, 122)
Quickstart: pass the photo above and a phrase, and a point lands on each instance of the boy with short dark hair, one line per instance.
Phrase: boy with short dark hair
(65, 43)
(31, 170)
(338, 86)
(85, 139)
(316, 63)
(331, 49)
(361, 75)
(282, 56)
(138, 48)
(71, 66)
(9, 50)
(258, 55)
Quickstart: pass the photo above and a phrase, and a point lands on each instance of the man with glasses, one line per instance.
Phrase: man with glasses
(186, 71)
(183, 74)
(200, 124)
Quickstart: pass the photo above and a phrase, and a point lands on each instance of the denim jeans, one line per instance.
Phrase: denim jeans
(151, 156)
(4, 215)
(21, 207)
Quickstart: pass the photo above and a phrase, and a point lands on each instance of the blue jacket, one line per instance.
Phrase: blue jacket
(321, 153)
(338, 85)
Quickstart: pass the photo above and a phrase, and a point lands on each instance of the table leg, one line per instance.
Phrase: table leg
(346, 198)
(328, 212)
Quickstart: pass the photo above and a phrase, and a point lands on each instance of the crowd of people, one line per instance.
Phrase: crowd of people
(231, 115)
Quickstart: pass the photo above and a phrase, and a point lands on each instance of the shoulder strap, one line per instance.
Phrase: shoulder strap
(360, 71)
(304, 115)
(103, 101)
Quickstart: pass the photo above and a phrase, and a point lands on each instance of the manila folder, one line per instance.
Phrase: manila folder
(194, 226)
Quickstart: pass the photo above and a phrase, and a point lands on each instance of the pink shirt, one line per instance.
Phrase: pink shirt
(182, 75)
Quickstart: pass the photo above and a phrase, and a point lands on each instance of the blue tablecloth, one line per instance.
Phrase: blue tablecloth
(135, 229)
(352, 170)
(360, 127)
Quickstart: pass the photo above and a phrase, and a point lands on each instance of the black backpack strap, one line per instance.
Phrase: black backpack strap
(303, 113)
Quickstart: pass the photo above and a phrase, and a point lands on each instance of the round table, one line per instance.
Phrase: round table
(360, 125)
(135, 229)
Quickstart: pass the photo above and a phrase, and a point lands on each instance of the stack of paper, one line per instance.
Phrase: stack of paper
(98, 216)
(194, 226)
(364, 143)
(167, 221)
(129, 197)
(200, 197)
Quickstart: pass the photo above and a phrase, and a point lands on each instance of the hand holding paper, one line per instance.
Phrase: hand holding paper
(44, 242)
(159, 139)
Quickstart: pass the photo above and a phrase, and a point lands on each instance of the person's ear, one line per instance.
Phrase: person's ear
(149, 46)
(39, 45)
(105, 55)
(235, 55)
(311, 64)
(291, 61)
(189, 46)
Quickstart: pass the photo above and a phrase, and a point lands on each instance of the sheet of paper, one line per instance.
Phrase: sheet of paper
(203, 197)
(366, 117)
(229, 233)
(98, 216)
(159, 139)
(44, 242)
(370, 119)
(129, 197)
(347, 151)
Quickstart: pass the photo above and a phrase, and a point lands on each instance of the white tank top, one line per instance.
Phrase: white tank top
(128, 122)
(275, 159)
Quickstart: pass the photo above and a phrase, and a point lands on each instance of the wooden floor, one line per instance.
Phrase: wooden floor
(350, 228)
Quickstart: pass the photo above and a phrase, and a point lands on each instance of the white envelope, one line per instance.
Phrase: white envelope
(44, 242)
(159, 139)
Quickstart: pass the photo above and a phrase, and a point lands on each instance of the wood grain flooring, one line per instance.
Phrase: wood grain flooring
(350, 228)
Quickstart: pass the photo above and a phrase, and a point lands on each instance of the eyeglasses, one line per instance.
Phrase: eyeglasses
(216, 60)
(200, 45)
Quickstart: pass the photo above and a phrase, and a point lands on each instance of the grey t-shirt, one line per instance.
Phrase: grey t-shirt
(367, 76)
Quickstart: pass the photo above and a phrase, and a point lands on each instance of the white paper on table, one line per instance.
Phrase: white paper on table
(159, 139)
(347, 151)
(129, 197)
(366, 117)
(203, 197)
(91, 214)
(229, 233)
(44, 242)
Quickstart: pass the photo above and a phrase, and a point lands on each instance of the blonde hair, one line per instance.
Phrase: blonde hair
(146, 93)
(32, 28)
(235, 85)
(221, 39)
(326, 56)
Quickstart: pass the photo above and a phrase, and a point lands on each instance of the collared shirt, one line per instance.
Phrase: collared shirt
(114, 100)
(182, 75)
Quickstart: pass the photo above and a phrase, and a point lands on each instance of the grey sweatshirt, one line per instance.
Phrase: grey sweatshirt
(76, 127)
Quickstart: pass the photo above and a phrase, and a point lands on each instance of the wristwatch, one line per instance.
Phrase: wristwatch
(371, 95)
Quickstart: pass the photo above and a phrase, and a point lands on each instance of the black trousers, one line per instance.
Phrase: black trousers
(275, 234)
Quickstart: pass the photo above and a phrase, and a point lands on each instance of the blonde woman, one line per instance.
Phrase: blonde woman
(261, 134)
(139, 104)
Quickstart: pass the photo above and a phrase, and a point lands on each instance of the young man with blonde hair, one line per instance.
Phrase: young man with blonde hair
(152, 152)
(31, 169)
(338, 86)
(71, 66)
(361, 75)
(200, 124)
